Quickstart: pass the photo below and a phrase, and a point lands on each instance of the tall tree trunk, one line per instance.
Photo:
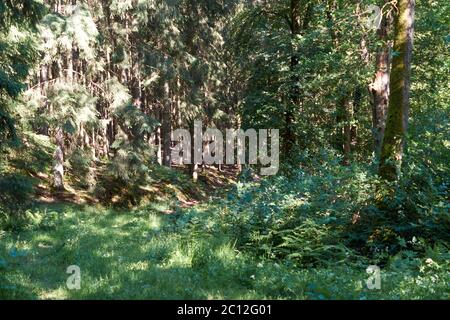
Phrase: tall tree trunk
(380, 86)
(343, 112)
(344, 129)
(299, 21)
(135, 77)
(357, 98)
(194, 164)
(58, 169)
(158, 142)
(358, 93)
(166, 126)
(69, 63)
(347, 133)
(398, 111)
(288, 136)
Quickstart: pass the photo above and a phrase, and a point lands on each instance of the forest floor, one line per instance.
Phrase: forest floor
(155, 251)
(142, 254)
(147, 253)
(122, 253)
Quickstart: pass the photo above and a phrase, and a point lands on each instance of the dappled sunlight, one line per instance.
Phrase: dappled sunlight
(179, 258)
(57, 294)
(206, 149)
(131, 256)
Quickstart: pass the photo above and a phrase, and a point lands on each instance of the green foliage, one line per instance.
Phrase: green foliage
(147, 254)
(262, 46)
(17, 52)
(328, 214)
(106, 73)
(60, 33)
(123, 177)
(15, 193)
(19, 165)
(82, 168)
(398, 215)
(129, 168)
(70, 107)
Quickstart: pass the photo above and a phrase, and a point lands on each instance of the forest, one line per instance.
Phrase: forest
(225, 149)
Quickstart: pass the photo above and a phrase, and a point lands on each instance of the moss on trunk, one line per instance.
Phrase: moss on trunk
(397, 116)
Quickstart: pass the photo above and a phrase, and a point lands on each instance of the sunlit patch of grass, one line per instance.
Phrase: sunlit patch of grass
(226, 253)
(140, 265)
(57, 294)
(180, 258)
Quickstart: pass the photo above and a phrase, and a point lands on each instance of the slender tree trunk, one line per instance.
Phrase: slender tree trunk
(357, 97)
(358, 93)
(58, 169)
(238, 144)
(397, 116)
(288, 136)
(344, 129)
(331, 6)
(380, 87)
(135, 83)
(343, 112)
(69, 62)
(194, 165)
(347, 133)
(166, 126)
(158, 142)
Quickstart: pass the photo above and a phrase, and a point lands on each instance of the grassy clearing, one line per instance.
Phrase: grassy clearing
(174, 246)
(148, 254)
(179, 247)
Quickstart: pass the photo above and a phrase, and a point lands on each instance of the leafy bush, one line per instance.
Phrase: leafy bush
(16, 191)
(327, 213)
(81, 166)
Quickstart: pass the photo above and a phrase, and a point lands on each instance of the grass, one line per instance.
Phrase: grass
(179, 247)
(148, 254)
(121, 255)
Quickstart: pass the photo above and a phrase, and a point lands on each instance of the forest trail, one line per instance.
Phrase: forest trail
(212, 182)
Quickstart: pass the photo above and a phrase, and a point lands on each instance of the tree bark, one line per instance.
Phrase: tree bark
(380, 87)
(166, 126)
(58, 169)
(344, 130)
(289, 137)
(398, 111)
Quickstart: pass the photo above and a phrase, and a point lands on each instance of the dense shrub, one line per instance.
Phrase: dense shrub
(329, 213)
(15, 191)
(82, 168)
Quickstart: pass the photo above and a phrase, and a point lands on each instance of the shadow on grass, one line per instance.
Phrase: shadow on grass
(121, 255)
(148, 254)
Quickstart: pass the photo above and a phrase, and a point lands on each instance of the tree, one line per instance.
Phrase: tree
(380, 84)
(398, 111)
(18, 20)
